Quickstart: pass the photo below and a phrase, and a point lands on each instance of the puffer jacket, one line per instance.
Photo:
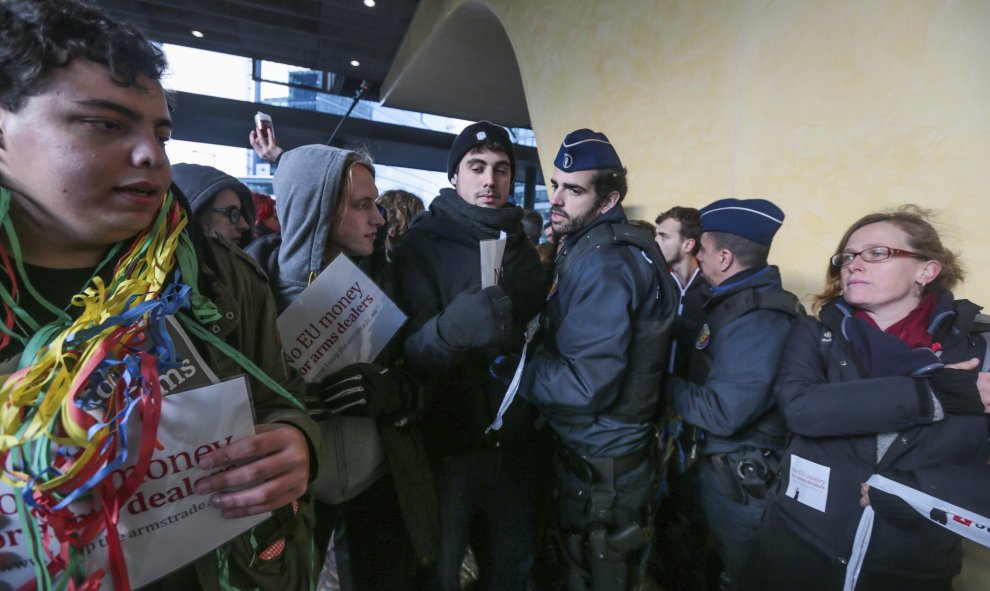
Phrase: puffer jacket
(436, 261)
(836, 415)
(732, 370)
(603, 313)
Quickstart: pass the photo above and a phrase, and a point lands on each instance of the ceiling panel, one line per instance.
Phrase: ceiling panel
(317, 34)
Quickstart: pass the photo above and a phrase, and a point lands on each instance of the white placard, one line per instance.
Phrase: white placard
(340, 319)
(492, 252)
(165, 524)
(808, 483)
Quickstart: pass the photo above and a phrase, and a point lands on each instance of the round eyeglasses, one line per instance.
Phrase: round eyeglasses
(232, 213)
(874, 254)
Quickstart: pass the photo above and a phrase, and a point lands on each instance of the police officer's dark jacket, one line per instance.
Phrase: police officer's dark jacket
(597, 374)
(436, 261)
(836, 415)
(732, 367)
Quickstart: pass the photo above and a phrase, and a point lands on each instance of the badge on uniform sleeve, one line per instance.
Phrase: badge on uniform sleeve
(704, 337)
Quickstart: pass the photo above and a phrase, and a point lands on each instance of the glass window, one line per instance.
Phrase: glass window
(208, 72)
(227, 76)
(233, 161)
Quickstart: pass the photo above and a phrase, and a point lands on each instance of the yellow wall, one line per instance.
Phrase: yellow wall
(832, 109)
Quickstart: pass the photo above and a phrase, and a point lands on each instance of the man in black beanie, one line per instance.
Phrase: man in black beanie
(596, 375)
(487, 480)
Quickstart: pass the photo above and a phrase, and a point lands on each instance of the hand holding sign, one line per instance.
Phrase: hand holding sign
(276, 472)
(368, 390)
(340, 319)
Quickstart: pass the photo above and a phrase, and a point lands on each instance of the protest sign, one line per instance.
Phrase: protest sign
(165, 524)
(340, 319)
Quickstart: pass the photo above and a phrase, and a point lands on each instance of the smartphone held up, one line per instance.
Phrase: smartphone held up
(263, 122)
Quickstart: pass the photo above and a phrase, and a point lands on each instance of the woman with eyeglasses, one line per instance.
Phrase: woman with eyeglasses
(221, 204)
(886, 381)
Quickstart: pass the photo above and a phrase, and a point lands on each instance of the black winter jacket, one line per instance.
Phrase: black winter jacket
(436, 261)
(836, 415)
(580, 376)
(737, 391)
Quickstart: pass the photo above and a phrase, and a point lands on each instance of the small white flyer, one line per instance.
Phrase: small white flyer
(340, 319)
(491, 260)
(808, 483)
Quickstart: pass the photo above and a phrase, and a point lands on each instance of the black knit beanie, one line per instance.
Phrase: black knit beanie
(475, 135)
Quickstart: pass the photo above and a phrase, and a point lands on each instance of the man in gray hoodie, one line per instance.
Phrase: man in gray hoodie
(326, 205)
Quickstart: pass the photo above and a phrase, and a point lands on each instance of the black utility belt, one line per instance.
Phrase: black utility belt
(600, 468)
(747, 473)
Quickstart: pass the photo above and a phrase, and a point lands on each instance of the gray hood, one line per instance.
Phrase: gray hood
(307, 182)
(200, 183)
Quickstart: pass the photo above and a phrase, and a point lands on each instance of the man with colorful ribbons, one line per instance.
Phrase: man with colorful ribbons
(105, 291)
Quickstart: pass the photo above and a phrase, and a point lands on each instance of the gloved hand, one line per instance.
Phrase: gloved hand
(476, 318)
(367, 390)
(893, 509)
(956, 391)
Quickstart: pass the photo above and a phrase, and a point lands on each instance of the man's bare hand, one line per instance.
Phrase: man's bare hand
(265, 145)
(864, 495)
(274, 471)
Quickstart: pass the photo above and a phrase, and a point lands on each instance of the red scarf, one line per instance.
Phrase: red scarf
(912, 330)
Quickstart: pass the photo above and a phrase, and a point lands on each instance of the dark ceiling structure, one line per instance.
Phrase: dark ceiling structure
(453, 75)
(317, 34)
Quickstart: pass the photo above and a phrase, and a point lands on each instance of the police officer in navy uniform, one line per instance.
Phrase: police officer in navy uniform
(596, 375)
(731, 370)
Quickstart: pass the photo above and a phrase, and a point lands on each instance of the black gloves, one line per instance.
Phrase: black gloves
(476, 318)
(368, 390)
(956, 391)
(893, 509)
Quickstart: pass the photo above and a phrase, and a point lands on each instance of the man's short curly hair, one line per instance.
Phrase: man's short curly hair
(38, 36)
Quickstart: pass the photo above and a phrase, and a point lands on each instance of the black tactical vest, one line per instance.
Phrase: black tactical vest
(768, 431)
(640, 389)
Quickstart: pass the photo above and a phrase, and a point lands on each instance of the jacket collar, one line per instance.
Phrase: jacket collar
(766, 276)
(616, 215)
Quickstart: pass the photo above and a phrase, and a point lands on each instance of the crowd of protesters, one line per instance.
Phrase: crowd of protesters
(625, 406)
